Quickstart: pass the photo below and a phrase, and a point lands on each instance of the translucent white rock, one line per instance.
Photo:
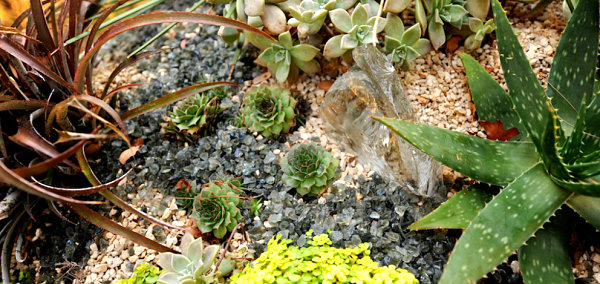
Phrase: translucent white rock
(373, 88)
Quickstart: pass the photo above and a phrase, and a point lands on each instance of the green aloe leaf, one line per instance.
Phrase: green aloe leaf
(588, 187)
(591, 141)
(458, 211)
(491, 101)
(572, 75)
(509, 220)
(545, 258)
(587, 207)
(528, 96)
(488, 161)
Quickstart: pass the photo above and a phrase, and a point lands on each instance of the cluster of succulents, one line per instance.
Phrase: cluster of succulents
(314, 30)
(319, 263)
(195, 116)
(309, 168)
(551, 164)
(195, 264)
(269, 110)
(216, 208)
(144, 274)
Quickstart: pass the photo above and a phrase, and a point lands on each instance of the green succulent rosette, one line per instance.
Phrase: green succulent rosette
(216, 208)
(269, 110)
(309, 168)
(194, 117)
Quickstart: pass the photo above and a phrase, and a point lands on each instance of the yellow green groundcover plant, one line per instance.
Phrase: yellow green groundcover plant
(319, 263)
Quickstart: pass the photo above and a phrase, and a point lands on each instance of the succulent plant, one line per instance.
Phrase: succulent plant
(269, 110)
(478, 8)
(285, 57)
(216, 208)
(479, 30)
(555, 163)
(438, 13)
(310, 15)
(404, 45)
(232, 11)
(358, 29)
(396, 6)
(309, 168)
(194, 265)
(267, 14)
(194, 117)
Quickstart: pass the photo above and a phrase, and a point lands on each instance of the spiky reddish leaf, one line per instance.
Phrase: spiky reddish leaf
(172, 97)
(157, 18)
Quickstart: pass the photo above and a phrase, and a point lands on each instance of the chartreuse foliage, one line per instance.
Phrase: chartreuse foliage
(319, 263)
(556, 162)
(144, 274)
(309, 168)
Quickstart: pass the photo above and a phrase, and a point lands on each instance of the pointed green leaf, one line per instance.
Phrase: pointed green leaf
(458, 211)
(587, 187)
(572, 75)
(588, 207)
(491, 101)
(488, 161)
(591, 138)
(509, 220)
(526, 93)
(545, 258)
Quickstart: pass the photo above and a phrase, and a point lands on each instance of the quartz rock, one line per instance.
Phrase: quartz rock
(372, 88)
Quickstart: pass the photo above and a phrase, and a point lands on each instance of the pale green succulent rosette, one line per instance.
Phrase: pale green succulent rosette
(404, 45)
(286, 57)
(358, 29)
(190, 266)
(309, 168)
(269, 110)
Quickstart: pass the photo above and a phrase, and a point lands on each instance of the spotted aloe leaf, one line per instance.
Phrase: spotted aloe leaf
(572, 76)
(458, 211)
(527, 95)
(545, 257)
(590, 141)
(488, 161)
(509, 220)
(491, 101)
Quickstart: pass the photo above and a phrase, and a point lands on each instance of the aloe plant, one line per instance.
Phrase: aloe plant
(285, 57)
(556, 160)
(404, 45)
